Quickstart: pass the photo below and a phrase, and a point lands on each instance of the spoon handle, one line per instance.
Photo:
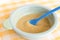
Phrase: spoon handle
(48, 13)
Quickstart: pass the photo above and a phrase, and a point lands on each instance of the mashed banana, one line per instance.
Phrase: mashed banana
(24, 25)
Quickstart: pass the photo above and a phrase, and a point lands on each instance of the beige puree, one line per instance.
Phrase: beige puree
(24, 25)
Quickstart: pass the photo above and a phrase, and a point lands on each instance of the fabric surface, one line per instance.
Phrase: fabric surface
(8, 6)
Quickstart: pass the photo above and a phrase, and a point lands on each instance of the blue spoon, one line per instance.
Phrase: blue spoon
(35, 21)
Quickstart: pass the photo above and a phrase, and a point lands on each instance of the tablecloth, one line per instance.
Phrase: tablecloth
(8, 6)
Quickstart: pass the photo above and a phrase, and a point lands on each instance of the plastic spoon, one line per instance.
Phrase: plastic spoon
(35, 21)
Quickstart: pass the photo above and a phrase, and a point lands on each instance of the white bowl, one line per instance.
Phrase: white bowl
(26, 10)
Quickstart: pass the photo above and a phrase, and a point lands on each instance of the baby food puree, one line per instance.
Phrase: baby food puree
(24, 25)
